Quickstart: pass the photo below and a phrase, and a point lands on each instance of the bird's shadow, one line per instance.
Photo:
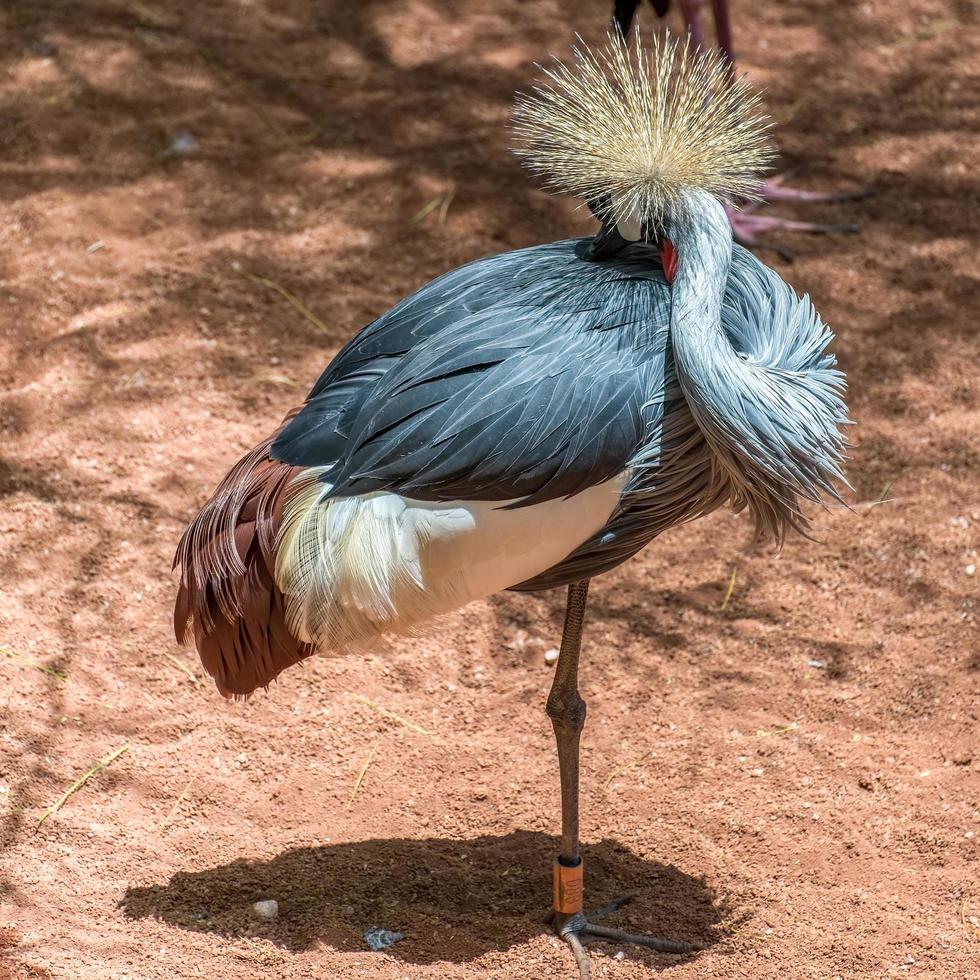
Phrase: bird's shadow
(452, 899)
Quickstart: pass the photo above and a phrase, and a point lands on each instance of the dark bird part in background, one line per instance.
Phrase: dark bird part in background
(747, 224)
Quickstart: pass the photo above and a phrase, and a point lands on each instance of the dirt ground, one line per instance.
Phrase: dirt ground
(790, 778)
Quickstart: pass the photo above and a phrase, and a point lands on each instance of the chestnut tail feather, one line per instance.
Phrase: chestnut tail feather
(228, 600)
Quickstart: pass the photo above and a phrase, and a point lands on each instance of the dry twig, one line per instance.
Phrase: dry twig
(294, 301)
(731, 589)
(180, 666)
(180, 799)
(391, 714)
(629, 765)
(440, 204)
(33, 663)
(81, 781)
(364, 769)
(778, 730)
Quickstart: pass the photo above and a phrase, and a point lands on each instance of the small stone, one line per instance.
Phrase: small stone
(379, 939)
(267, 911)
(551, 657)
(183, 144)
(970, 569)
(44, 49)
(817, 664)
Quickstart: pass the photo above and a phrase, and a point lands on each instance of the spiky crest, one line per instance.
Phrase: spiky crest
(629, 128)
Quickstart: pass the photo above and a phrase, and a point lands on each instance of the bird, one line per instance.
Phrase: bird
(747, 224)
(535, 418)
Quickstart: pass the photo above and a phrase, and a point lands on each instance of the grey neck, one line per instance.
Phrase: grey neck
(702, 235)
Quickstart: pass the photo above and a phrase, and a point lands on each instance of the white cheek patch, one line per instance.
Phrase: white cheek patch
(629, 227)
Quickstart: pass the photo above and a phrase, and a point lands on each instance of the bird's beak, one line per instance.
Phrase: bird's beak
(607, 242)
(668, 257)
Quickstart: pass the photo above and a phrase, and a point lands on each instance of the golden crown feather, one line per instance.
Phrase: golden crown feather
(628, 129)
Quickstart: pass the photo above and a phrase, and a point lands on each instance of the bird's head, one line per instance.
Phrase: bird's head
(616, 233)
(634, 131)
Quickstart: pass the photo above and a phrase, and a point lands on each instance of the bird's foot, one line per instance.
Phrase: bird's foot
(578, 929)
(747, 225)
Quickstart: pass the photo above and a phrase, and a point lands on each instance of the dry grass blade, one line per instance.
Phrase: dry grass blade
(374, 706)
(778, 730)
(425, 210)
(789, 113)
(364, 769)
(970, 922)
(629, 765)
(882, 498)
(81, 781)
(447, 199)
(33, 663)
(294, 301)
(180, 799)
(183, 667)
(731, 589)
(439, 204)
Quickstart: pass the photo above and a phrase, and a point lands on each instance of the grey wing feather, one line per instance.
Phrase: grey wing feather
(522, 377)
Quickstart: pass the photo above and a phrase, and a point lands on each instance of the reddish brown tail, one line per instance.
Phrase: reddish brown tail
(228, 599)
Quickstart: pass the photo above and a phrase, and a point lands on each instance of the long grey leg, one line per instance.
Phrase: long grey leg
(566, 709)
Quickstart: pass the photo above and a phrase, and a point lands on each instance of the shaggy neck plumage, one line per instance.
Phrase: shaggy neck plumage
(702, 236)
(770, 415)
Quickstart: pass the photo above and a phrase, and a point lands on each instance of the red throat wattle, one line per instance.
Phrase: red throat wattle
(668, 256)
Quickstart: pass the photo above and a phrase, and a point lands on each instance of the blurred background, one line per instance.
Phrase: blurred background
(200, 204)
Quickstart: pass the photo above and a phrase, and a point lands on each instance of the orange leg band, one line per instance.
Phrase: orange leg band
(567, 887)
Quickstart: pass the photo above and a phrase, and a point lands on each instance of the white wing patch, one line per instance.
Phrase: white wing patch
(357, 568)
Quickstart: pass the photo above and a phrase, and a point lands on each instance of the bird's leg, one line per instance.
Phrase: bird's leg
(566, 709)
(691, 12)
(723, 31)
(746, 225)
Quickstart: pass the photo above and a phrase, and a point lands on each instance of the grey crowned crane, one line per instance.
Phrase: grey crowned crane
(535, 418)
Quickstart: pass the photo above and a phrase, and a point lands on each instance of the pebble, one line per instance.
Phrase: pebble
(44, 49)
(551, 656)
(379, 939)
(183, 144)
(267, 911)
(971, 569)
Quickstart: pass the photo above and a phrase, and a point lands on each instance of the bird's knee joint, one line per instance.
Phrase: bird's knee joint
(567, 713)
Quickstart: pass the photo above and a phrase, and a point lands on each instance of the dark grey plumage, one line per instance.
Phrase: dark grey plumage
(523, 375)
(535, 374)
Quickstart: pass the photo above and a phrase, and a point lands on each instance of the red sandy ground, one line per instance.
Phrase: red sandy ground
(803, 821)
